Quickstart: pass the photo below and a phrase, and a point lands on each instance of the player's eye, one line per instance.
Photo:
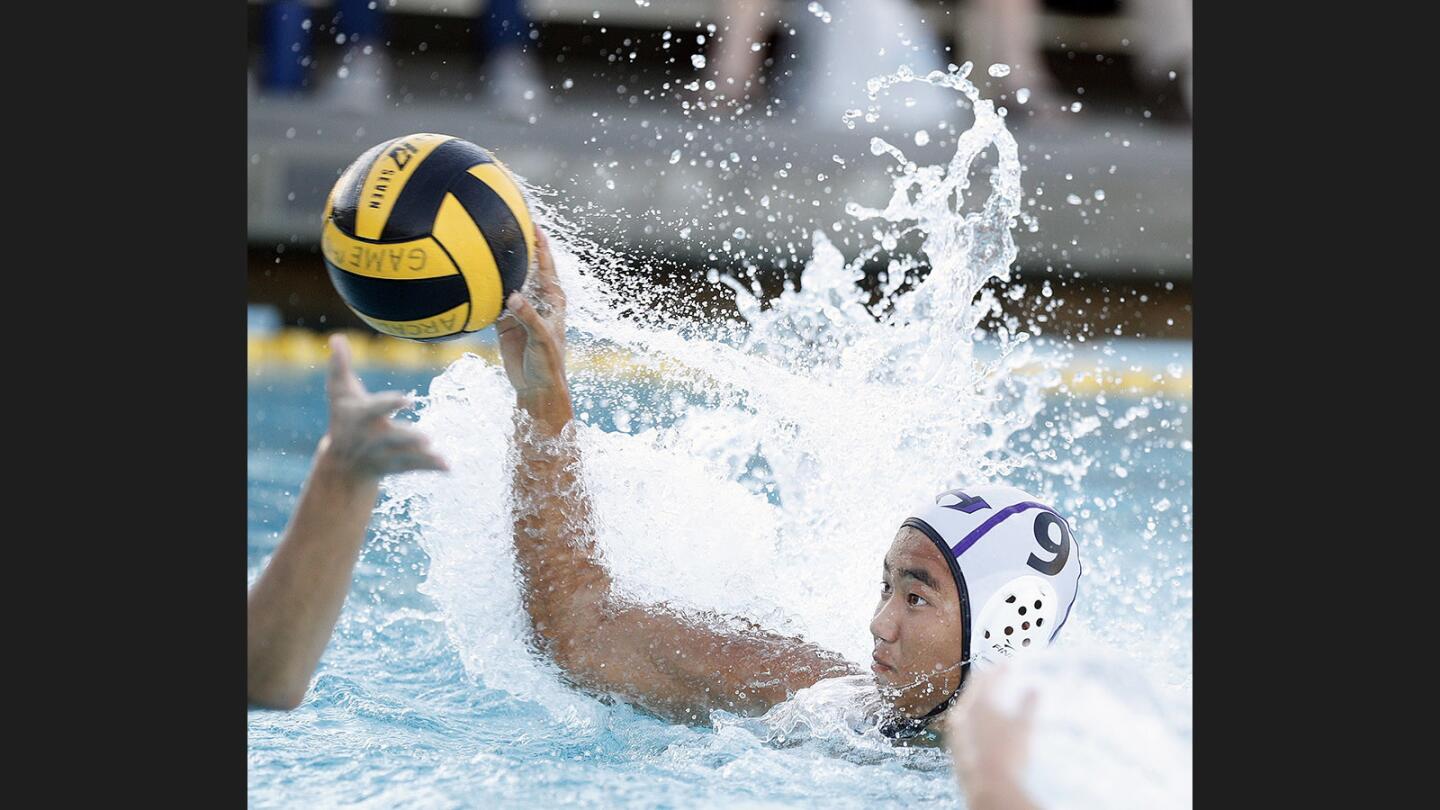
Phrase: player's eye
(917, 600)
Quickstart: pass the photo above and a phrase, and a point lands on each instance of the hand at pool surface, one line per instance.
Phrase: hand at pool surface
(362, 443)
(293, 606)
(532, 344)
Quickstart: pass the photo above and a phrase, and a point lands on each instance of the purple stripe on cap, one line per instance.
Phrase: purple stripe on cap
(971, 538)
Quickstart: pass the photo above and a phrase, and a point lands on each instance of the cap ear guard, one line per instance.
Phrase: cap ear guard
(1019, 617)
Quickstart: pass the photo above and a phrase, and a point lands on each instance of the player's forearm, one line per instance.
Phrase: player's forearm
(675, 665)
(565, 583)
(293, 606)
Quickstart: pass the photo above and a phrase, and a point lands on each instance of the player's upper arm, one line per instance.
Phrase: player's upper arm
(681, 665)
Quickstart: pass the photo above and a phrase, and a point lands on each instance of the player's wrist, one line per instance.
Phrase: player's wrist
(548, 406)
(544, 398)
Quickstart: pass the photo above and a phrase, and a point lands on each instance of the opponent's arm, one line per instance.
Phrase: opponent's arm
(676, 665)
(293, 606)
(989, 748)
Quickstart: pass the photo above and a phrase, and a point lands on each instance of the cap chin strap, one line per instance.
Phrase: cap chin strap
(908, 728)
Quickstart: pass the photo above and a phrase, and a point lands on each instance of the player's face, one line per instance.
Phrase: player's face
(917, 626)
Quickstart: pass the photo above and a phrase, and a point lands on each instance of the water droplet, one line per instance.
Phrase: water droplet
(1075, 107)
(674, 157)
(1099, 193)
(922, 137)
(1073, 199)
(998, 70)
(568, 83)
(1022, 95)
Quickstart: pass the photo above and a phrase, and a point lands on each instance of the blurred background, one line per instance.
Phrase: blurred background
(704, 136)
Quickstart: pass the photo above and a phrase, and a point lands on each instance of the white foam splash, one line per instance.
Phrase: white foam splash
(767, 474)
(1104, 735)
(773, 487)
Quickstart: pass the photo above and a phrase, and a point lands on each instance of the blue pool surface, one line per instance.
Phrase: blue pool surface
(393, 718)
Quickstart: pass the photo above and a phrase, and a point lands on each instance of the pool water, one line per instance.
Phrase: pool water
(394, 717)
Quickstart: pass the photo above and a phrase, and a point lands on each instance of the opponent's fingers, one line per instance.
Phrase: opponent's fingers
(341, 380)
(987, 683)
(382, 404)
(417, 460)
(398, 442)
(400, 450)
(1027, 707)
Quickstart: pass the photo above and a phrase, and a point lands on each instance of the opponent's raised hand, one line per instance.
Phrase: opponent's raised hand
(362, 440)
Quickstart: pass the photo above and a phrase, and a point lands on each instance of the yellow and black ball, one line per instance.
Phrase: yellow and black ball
(425, 236)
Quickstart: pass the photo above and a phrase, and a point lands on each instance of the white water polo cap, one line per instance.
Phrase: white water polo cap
(1015, 563)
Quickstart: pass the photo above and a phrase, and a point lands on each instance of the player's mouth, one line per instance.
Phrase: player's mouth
(881, 668)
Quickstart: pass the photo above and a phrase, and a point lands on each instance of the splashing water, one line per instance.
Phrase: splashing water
(763, 467)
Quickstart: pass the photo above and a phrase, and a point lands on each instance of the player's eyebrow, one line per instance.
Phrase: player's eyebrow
(918, 574)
